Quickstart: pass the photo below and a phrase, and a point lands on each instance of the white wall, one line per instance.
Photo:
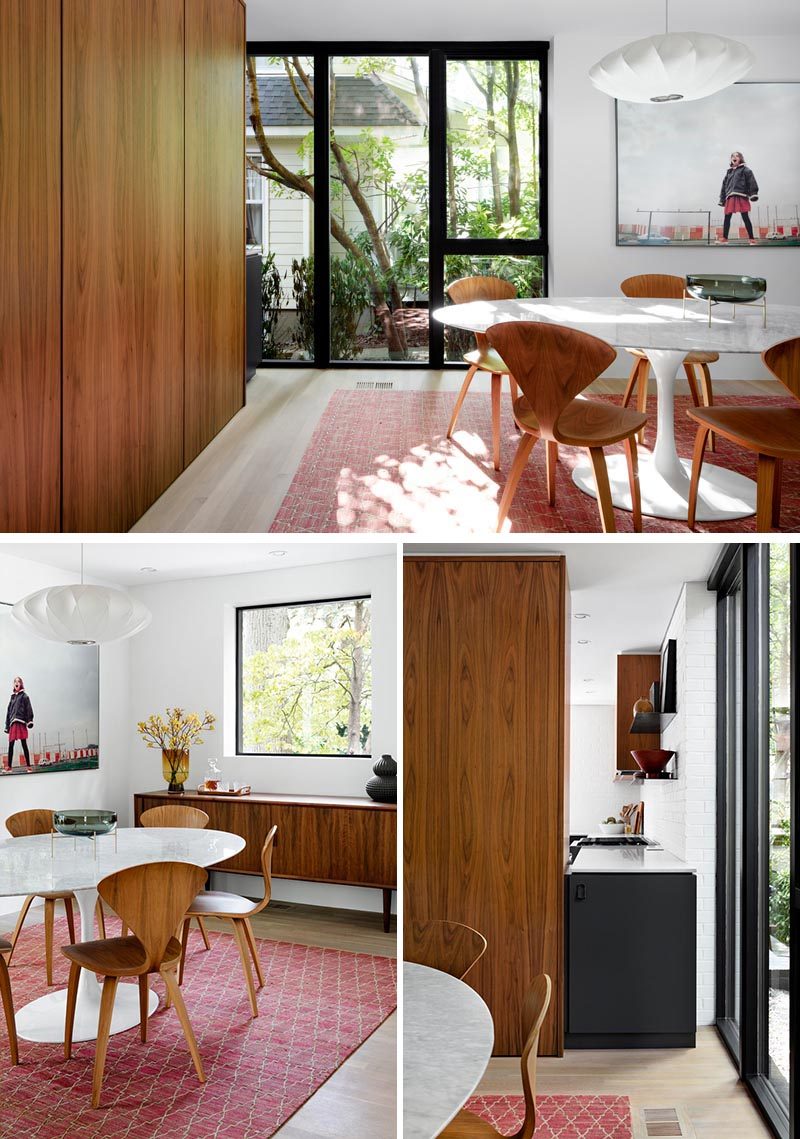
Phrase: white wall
(593, 794)
(187, 658)
(584, 259)
(107, 787)
(681, 813)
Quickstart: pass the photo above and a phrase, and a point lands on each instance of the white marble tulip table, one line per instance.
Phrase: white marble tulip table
(666, 334)
(42, 863)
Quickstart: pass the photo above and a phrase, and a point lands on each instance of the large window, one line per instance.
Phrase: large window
(407, 167)
(304, 675)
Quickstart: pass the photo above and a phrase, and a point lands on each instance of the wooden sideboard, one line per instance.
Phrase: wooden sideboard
(342, 841)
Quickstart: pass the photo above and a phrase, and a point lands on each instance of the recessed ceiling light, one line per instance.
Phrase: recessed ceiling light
(584, 642)
(148, 569)
(277, 553)
(581, 616)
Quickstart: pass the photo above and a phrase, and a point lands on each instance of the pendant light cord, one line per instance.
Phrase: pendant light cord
(81, 563)
(666, 17)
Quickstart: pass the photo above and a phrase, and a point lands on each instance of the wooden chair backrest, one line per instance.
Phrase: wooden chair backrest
(480, 289)
(174, 815)
(446, 945)
(654, 285)
(152, 901)
(552, 364)
(783, 360)
(534, 1010)
(266, 869)
(25, 823)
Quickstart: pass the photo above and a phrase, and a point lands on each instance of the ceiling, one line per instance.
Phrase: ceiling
(122, 563)
(628, 589)
(353, 20)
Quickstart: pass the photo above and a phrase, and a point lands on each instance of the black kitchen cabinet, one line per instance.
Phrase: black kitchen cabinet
(255, 316)
(631, 960)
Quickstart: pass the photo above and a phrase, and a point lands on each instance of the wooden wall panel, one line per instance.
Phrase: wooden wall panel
(30, 261)
(123, 99)
(485, 772)
(215, 241)
(635, 673)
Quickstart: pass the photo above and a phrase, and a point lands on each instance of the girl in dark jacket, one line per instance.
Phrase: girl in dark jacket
(19, 718)
(739, 189)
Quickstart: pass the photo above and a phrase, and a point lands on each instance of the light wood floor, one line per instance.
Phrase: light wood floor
(239, 481)
(700, 1082)
(359, 1101)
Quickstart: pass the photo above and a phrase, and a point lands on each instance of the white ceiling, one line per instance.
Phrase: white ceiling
(629, 590)
(353, 20)
(121, 562)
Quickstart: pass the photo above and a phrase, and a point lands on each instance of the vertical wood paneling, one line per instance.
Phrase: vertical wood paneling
(30, 264)
(485, 770)
(635, 673)
(215, 244)
(123, 265)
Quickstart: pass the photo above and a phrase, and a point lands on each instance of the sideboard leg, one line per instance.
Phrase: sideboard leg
(387, 910)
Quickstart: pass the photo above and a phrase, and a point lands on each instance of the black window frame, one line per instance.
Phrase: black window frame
(286, 754)
(439, 245)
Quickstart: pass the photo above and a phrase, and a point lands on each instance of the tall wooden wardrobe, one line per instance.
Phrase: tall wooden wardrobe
(122, 307)
(486, 774)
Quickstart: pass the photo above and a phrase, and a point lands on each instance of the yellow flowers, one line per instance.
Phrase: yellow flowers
(176, 730)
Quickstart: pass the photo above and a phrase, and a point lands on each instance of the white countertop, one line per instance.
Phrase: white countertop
(627, 860)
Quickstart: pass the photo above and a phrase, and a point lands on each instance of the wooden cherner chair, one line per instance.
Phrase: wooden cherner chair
(8, 1002)
(22, 825)
(773, 433)
(553, 364)
(664, 285)
(466, 1125)
(150, 899)
(446, 945)
(238, 911)
(483, 358)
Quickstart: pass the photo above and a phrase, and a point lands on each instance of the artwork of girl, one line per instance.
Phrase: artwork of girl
(19, 720)
(739, 189)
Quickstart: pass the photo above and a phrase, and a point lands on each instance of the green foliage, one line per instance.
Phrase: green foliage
(271, 308)
(780, 902)
(303, 293)
(350, 295)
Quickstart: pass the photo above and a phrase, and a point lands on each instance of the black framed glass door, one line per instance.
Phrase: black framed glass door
(411, 165)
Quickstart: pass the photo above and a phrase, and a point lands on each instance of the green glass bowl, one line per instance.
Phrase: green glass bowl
(725, 287)
(84, 823)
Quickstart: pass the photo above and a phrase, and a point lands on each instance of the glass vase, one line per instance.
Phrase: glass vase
(175, 768)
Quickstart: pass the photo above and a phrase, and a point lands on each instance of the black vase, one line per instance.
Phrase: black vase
(383, 788)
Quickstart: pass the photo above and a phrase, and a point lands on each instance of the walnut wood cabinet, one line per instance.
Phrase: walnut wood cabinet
(339, 840)
(485, 769)
(122, 241)
(635, 673)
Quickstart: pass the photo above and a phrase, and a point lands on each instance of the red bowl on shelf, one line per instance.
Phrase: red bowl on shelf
(652, 760)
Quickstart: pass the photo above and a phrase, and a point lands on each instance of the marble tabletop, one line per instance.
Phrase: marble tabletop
(447, 1041)
(41, 862)
(634, 322)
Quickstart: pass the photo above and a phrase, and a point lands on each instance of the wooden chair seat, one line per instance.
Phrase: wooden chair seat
(118, 956)
(7, 1002)
(218, 904)
(767, 430)
(585, 422)
(486, 360)
(691, 357)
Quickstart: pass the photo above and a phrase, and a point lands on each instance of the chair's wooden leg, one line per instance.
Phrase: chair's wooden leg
(72, 997)
(184, 940)
(173, 988)
(144, 1007)
(697, 467)
(460, 400)
(123, 930)
(251, 941)
(244, 953)
(70, 920)
(8, 1009)
(201, 923)
(776, 495)
(99, 914)
(632, 457)
(552, 463)
(49, 915)
(103, 1033)
(512, 383)
(707, 393)
(497, 391)
(632, 378)
(765, 493)
(644, 376)
(692, 380)
(514, 475)
(23, 913)
(605, 506)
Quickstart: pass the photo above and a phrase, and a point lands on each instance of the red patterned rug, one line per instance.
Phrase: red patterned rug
(381, 462)
(317, 1006)
(559, 1116)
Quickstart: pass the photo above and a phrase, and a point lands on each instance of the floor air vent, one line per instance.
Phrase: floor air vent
(374, 385)
(663, 1121)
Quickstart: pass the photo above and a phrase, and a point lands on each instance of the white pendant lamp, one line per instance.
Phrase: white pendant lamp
(676, 65)
(82, 614)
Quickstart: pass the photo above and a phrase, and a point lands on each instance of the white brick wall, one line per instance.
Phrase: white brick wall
(593, 794)
(681, 813)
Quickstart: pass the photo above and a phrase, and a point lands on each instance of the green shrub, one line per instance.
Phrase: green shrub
(271, 308)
